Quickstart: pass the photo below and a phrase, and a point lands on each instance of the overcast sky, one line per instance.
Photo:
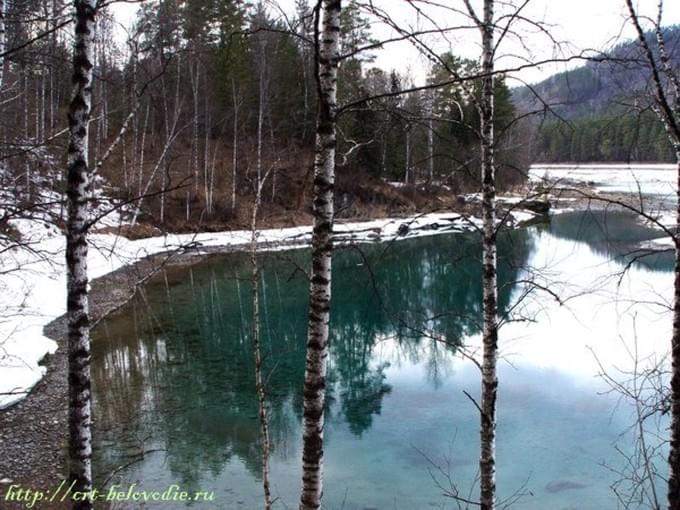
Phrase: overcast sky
(580, 24)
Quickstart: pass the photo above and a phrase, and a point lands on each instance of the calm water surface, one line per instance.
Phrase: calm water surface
(173, 370)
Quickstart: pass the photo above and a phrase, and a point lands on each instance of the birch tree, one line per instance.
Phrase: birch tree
(327, 49)
(78, 191)
(3, 11)
(257, 350)
(666, 104)
(487, 459)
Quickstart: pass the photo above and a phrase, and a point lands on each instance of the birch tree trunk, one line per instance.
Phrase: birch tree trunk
(407, 157)
(487, 460)
(134, 49)
(78, 190)
(234, 161)
(195, 81)
(206, 157)
(262, 92)
(257, 352)
(2, 41)
(674, 451)
(260, 121)
(27, 161)
(3, 45)
(430, 138)
(666, 89)
(327, 43)
(142, 146)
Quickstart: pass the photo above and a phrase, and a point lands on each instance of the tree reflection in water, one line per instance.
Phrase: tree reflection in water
(173, 369)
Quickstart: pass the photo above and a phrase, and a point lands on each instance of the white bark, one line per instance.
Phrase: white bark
(27, 163)
(206, 158)
(407, 166)
(3, 39)
(3, 47)
(320, 285)
(195, 80)
(211, 186)
(134, 48)
(257, 352)
(260, 110)
(143, 192)
(167, 135)
(667, 109)
(43, 109)
(487, 460)
(674, 450)
(78, 191)
(119, 138)
(430, 137)
(234, 162)
(142, 146)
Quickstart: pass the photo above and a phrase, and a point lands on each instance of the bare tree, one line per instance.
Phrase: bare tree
(78, 193)
(666, 105)
(487, 459)
(234, 161)
(642, 387)
(327, 49)
(257, 351)
(3, 32)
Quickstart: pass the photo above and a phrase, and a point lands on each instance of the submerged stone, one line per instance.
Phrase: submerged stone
(563, 485)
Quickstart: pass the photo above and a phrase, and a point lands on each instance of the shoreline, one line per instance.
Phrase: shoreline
(605, 166)
(34, 429)
(37, 294)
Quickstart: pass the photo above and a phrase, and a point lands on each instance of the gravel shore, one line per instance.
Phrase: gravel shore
(34, 432)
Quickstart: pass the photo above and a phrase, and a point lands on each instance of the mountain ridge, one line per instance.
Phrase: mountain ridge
(601, 111)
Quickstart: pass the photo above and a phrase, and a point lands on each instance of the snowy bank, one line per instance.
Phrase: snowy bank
(650, 179)
(33, 290)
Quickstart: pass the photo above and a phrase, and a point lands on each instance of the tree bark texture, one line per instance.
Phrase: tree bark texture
(257, 351)
(674, 450)
(327, 43)
(78, 192)
(667, 108)
(487, 460)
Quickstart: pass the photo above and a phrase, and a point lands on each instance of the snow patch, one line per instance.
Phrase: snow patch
(648, 179)
(33, 290)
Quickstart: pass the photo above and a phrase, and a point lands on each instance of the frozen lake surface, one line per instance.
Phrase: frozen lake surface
(650, 179)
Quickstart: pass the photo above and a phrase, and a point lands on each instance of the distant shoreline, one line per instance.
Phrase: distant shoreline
(605, 166)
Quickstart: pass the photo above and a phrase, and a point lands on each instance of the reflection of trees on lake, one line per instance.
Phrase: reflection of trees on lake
(176, 365)
(612, 233)
(425, 285)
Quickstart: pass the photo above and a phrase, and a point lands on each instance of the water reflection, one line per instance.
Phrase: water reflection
(175, 366)
(173, 372)
(615, 234)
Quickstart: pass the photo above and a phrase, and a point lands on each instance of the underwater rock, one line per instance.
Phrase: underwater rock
(563, 485)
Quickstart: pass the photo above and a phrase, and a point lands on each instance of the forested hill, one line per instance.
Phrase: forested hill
(600, 111)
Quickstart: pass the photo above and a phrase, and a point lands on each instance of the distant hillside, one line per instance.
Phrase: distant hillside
(604, 105)
(597, 87)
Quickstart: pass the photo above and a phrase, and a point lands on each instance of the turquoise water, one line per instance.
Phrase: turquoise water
(173, 371)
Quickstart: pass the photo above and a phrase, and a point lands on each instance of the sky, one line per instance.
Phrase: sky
(576, 24)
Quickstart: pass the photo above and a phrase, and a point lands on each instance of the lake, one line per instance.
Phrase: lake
(173, 370)
(659, 180)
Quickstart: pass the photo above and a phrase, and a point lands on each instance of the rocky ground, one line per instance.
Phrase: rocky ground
(33, 433)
